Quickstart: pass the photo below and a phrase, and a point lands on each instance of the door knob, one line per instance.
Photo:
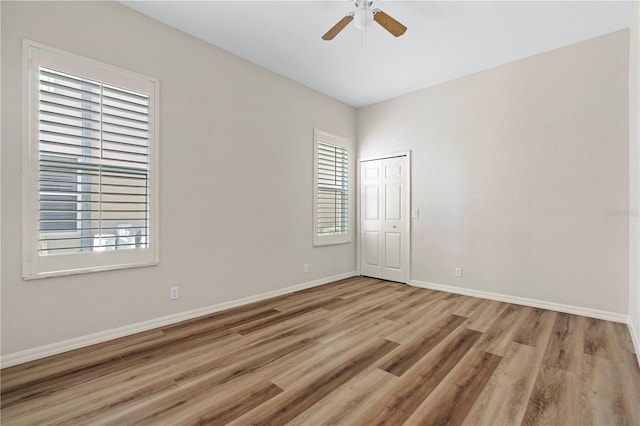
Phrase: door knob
(394, 226)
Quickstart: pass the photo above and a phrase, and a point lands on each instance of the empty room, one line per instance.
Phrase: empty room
(342, 212)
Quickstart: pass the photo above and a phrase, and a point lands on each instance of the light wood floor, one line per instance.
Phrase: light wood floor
(355, 352)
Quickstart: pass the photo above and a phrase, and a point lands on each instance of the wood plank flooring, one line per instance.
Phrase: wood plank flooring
(355, 352)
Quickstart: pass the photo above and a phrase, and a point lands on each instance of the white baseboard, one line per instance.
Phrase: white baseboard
(115, 333)
(635, 337)
(534, 303)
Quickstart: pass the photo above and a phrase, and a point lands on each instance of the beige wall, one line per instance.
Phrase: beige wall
(634, 175)
(236, 177)
(513, 169)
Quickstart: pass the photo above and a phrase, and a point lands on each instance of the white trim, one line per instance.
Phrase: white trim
(357, 220)
(320, 136)
(33, 265)
(635, 338)
(382, 157)
(103, 336)
(78, 271)
(534, 303)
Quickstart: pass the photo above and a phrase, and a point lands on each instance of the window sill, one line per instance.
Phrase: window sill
(40, 275)
(331, 240)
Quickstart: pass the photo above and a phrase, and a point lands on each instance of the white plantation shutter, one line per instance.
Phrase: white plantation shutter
(332, 213)
(94, 149)
(332, 180)
(92, 157)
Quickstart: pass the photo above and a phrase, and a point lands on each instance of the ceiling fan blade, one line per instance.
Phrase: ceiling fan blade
(388, 23)
(337, 28)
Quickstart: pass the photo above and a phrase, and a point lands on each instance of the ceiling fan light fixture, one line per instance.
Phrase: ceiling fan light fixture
(363, 18)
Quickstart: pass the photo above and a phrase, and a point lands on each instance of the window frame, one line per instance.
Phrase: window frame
(320, 136)
(35, 265)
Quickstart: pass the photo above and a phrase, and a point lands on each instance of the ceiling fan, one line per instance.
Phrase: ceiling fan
(362, 17)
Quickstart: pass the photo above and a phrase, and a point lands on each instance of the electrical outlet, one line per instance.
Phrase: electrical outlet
(458, 271)
(174, 293)
(306, 268)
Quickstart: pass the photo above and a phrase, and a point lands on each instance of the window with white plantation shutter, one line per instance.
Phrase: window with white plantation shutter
(92, 158)
(331, 192)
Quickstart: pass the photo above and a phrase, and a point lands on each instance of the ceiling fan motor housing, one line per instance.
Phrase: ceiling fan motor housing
(363, 16)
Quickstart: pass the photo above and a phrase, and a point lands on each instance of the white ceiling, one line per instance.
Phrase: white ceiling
(444, 40)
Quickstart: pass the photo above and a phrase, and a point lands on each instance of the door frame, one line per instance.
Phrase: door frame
(406, 204)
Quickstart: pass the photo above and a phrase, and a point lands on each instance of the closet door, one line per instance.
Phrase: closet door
(384, 224)
(371, 218)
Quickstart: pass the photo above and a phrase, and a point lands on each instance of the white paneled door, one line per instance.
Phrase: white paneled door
(384, 218)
